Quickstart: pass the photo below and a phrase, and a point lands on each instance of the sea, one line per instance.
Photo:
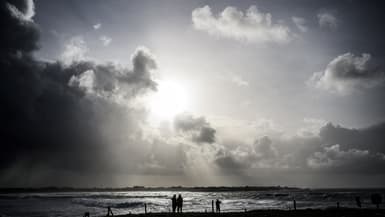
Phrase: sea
(71, 204)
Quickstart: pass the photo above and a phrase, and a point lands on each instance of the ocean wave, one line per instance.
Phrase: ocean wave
(94, 196)
(105, 204)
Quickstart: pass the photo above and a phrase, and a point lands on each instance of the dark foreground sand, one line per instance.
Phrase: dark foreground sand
(276, 213)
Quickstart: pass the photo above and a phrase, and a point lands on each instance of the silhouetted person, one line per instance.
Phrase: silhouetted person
(218, 205)
(358, 201)
(376, 199)
(212, 205)
(86, 214)
(179, 203)
(295, 204)
(109, 212)
(173, 203)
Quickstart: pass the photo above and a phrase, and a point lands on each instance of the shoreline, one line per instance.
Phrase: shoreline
(346, 212)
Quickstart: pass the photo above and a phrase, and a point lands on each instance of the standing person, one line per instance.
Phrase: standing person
(218, 205)
(376, 199)
(179, 203)
(295, 204)
(109, 212)
(173, 203)
(358, 201)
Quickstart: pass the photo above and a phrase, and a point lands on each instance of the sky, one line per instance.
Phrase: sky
(193, 93)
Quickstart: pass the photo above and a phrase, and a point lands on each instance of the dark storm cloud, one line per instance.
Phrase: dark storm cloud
(107, 79)
(199, 129)
(18, 34)
(334, 159)
(371, 138)
(206, 134)
(56, 117)
(348, 72)
(228, 162)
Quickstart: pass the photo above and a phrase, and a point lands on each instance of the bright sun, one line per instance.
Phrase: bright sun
(170, 99)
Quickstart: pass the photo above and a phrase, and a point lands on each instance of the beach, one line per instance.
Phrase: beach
(275, 213)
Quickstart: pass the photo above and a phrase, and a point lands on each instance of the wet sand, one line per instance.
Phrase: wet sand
(275, 213)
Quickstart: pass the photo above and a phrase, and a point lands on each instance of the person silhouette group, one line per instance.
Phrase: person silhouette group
(177, 203)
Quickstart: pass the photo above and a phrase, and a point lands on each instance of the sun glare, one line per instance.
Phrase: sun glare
(170, 99)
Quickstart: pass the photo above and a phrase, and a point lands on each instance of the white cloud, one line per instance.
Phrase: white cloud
(26, 14)
(84, 81)
(300, 23)
(347, 73)
(327, 20)
(75, 50)
(238, 80)
(235, 79)
(97, 26)
(251, 26)
(105, 40)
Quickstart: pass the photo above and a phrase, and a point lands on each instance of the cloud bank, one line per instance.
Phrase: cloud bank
(333, 150)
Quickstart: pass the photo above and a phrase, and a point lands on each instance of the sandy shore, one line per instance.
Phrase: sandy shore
(276, 213)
